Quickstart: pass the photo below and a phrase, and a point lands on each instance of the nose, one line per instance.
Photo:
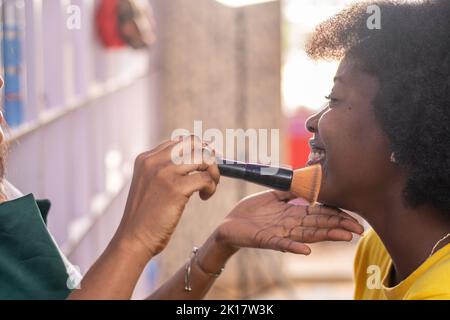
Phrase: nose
(311, 123)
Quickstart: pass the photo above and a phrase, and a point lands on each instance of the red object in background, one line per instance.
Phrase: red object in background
(107, 20)
(137, 24)
(298, 138)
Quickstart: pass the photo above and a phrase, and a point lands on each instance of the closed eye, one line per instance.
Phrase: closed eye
(331, 101)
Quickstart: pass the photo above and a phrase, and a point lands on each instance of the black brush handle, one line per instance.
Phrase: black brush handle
(282, 180)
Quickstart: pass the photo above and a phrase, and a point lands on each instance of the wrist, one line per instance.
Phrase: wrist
(130, 249)
(214, 254)
(219, 243)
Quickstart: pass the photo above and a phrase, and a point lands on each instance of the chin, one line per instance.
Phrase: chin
(329, 197)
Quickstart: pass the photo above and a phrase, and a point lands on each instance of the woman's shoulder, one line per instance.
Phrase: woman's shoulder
(433, 281)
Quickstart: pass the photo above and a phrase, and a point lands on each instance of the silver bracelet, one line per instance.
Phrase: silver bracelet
(187, 276)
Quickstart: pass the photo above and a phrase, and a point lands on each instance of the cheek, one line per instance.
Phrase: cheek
(356, 155)
(340, 137)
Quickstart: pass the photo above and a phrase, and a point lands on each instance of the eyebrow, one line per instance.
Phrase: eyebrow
(336, 79)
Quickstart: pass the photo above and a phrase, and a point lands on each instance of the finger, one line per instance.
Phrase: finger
(198, 182)
(325, 210)
(146, 155)
(164, 145)
(330, 221)
(208, 164)
(352, 226)
(212, 169)
(188, 151)
(214, 172)
(211, 147)
(191, 146)
(286, 245)
(338, 235)
(313, 235)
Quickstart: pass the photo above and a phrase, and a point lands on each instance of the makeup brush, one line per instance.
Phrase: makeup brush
(304, 183)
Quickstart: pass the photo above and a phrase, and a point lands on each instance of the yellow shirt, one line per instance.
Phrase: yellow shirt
(372, 269)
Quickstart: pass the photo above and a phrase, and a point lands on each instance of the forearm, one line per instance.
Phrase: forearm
(114, 275)
(212, 257)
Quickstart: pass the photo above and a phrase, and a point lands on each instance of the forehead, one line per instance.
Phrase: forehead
(350, 77)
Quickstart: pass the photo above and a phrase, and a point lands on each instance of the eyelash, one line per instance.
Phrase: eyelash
(329, 98)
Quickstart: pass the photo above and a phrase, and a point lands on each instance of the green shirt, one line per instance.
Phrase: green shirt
(31, 267)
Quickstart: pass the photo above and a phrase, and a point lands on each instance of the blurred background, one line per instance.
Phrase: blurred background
(86, 91)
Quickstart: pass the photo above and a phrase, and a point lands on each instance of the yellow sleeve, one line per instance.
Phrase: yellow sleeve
(359, 267)
(370, 252)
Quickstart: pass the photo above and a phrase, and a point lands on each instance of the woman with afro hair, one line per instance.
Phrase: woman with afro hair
(384, 137)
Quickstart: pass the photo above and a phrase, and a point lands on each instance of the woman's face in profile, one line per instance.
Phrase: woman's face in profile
(356, 162)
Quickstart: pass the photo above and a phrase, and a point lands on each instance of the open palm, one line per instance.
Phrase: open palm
(268, 221)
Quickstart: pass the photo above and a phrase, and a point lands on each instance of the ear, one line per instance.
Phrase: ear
(1, 82)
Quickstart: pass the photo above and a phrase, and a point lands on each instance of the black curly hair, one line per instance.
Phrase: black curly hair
(410, 56)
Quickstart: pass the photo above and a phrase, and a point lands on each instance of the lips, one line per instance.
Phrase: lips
(317, 155)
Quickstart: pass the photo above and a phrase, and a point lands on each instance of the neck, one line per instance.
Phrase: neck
(409, 234)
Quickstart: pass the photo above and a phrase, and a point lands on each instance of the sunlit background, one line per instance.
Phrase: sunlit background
(306, 83)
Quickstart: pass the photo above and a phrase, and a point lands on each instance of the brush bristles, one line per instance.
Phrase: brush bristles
(306, 183)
